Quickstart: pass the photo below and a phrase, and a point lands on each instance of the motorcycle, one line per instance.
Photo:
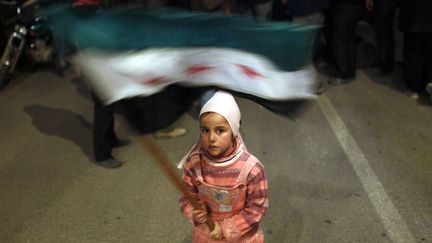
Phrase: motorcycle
(31, 36)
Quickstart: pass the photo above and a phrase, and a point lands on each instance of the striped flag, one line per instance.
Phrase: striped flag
(143, 73)
(139, 52)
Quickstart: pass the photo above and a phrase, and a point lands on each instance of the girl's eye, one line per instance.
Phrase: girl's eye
(220, 130)
(204, 130)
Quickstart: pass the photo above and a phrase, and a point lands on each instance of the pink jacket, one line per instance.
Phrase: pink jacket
(235, 194)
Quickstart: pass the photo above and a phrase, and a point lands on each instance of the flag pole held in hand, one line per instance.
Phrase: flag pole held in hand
(163, 163)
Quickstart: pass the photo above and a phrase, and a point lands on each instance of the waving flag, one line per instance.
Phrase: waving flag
(139, 52)
(147, 72)
(287, 45)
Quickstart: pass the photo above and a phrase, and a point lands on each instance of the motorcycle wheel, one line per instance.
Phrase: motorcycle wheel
(4, 75)
(5, 67)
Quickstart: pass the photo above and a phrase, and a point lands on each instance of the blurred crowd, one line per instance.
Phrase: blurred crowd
(338, 42)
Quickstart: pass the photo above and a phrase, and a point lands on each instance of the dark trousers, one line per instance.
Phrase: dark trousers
(3, 38)
(103, 130)
(345, 18)
(417, 58)
(384, 14)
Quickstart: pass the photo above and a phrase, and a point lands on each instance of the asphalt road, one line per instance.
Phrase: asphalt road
(355, 166)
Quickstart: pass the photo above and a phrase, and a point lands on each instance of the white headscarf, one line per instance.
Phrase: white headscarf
(225, 105)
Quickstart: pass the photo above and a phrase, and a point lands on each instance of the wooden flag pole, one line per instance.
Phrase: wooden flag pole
(163, 163)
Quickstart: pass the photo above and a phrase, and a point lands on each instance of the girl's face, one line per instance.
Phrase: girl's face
(216, 135)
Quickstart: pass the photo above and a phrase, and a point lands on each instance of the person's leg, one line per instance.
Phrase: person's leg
(428, 69)
(428, 56)
(414, 64)
(385, 14)
(103, 134)
(328, 26)
(345, 20)
(60, 54)
(429, 90)
(3, 37)
(377, 26)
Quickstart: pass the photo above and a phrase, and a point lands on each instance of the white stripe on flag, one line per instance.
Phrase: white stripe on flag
(142, 73)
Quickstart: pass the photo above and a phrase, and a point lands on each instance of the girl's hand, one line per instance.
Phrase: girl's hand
(216, 234)
(199, 215)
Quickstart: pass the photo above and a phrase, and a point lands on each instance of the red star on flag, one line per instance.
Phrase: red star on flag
(197, 69)
(249, 71)
(152, 81)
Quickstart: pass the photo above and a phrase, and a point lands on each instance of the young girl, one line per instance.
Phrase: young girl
(224, 177)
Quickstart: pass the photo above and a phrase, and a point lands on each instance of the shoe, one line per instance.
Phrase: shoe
(412, 95)
(121, 143)
(173, 133)
(429, 90)
(110, 163)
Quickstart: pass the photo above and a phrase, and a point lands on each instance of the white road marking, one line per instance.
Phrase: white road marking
(395, 226)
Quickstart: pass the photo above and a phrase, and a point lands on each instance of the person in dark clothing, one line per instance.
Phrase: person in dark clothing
(416, 24)
(3, 38)
(346, 14)
(384, 14)
(104, 137)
